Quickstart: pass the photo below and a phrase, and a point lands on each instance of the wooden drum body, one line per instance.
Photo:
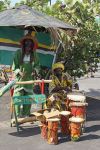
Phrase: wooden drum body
(44, 128)
(75, 128)
(53, 130)
(65, 122)
(78, 109)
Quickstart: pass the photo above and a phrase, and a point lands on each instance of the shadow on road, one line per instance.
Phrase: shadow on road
(82, 138)
(96, 76)
(93, 109)
(93, 128)
(93, 92)
(26, 132)
(89, 137)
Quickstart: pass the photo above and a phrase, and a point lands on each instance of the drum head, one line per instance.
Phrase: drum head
(65, 113)
(76, 119)
(37, 114)
(53, 119)
(53, 114)
(78, 104)
(76, 97)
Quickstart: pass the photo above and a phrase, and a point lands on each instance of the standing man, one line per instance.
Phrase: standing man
(25, 63)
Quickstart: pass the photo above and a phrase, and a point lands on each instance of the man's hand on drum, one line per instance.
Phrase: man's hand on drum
(67, 89)
(59, 89)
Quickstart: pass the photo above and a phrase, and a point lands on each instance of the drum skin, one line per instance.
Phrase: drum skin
(76, 96)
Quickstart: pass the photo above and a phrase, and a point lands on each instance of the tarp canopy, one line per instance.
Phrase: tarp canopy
(24, 15)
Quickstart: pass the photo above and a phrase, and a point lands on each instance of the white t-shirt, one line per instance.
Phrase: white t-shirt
(26, 58)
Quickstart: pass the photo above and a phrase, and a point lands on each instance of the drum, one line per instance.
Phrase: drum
(53, 130)
(76, 96)
(75, 127)
(65, 122)
(78, 109)
(44, 128)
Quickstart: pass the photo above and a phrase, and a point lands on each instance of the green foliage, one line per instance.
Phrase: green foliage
(38, 4)
(1, 5)
(84, 45)
(4, 4)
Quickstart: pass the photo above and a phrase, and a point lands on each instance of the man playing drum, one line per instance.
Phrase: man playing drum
(59, 87)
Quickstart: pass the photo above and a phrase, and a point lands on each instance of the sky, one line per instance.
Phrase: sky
(15, 1)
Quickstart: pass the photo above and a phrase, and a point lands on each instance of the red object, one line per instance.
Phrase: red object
(35, 45)
(65, 125)
(78, 111)
(52, 132)
(42, 87)
(44, 130)
(11, 92)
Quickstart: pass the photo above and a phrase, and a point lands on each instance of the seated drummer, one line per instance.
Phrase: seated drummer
(59, 87)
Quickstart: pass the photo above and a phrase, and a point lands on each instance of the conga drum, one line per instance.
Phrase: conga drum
(43, 125)
(65, 122)
(78, 109)
(44, 128)
(76, 97)
(75, 128)
(53, 130)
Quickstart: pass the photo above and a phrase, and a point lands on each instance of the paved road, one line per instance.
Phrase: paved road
(91, 85)
(30, 138)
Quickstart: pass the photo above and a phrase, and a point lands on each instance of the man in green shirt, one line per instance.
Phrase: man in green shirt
(25, 63)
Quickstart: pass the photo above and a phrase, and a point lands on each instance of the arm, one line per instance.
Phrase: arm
(16, 63)
(68, 86)
(53, 86)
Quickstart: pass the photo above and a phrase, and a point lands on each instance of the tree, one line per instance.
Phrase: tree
(83, 46)
(38, 4)
(4, 4)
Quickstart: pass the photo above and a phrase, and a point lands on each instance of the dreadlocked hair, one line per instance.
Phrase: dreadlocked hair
(31, 52)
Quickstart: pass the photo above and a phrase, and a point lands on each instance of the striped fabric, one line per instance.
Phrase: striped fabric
(9, 43)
